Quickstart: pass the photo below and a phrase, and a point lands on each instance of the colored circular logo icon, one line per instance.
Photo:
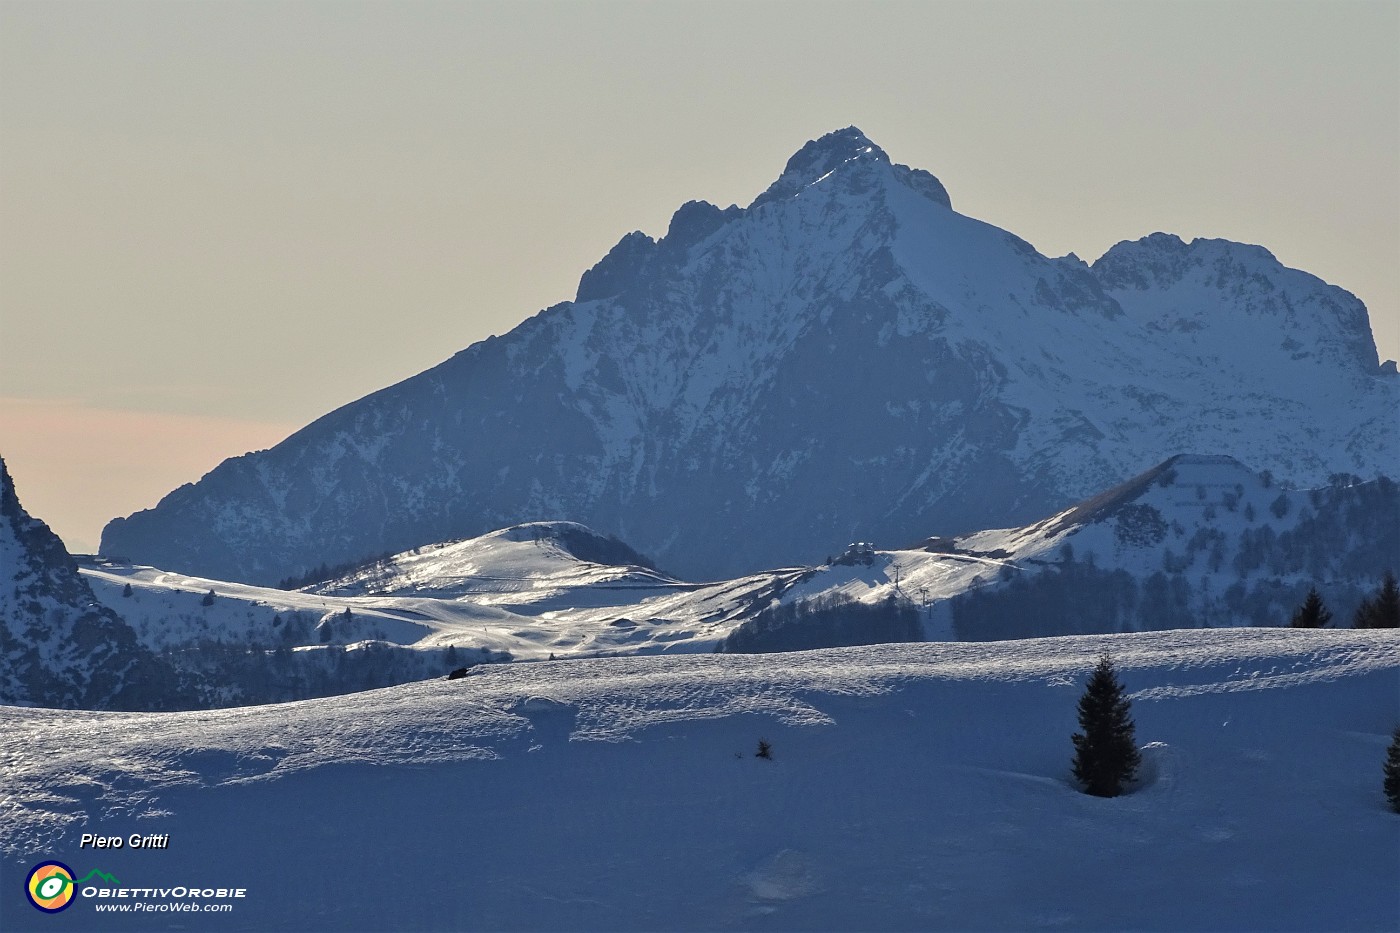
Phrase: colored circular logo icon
(50, 886)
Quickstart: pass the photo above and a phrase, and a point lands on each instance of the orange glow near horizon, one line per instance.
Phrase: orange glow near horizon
(54, 447)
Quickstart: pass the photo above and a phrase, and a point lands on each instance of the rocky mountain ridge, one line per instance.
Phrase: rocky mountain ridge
(59, 646)
(846, 358)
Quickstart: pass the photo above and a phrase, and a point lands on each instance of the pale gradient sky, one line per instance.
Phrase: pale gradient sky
(219, 221)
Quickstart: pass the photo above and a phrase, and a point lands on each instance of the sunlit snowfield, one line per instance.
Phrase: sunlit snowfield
(913, 786)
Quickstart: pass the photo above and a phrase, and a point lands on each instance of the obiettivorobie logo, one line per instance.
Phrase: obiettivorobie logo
(51, 886)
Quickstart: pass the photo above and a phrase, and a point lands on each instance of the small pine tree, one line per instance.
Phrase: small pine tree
(126, 590)
(1312, 614)
(208, 599)
(1392, 771)
(765, 751)
(1105, 753)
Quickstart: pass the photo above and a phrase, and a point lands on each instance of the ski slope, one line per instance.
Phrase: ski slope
(911, 787)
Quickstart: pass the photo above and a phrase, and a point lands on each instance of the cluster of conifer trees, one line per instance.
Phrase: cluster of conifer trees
(832, 620)
(1379, 611)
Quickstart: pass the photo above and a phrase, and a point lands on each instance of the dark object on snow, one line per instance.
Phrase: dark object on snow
(765, 751)
(458, 674)
(126, 590)
(1312, 614)
(208, 599)
(1105, 753)
(1392, 771)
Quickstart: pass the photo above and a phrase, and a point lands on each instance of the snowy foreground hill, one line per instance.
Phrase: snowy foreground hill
(910, 787)
(847, 358)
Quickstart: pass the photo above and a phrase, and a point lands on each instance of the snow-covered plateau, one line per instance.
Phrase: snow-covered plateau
(910, 787)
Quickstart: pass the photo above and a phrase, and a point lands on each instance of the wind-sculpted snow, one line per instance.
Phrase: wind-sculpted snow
(910, 786)
(846, 358)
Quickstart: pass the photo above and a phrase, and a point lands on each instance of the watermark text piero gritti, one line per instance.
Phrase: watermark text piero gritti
(134, 841)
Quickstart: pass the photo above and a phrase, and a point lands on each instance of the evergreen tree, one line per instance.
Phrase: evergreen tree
(208, 599)
(126, 590)
(1105, 753)
(1392, 772)
(1312, 614)
(1383, 609)
(1388, 603)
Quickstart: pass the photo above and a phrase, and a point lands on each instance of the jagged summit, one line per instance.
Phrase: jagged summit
(819, 158)
(1312, 321)
(845, 151)
(848, 156)
(637, 255)
(1163, 258)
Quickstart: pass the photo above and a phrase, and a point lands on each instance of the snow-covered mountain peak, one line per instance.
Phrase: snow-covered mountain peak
(531, 558)
(838, 151)
(851, 359)
(1160, 260)
(1207, 291)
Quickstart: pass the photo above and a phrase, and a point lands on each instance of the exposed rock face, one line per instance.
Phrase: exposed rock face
(58, 645)
(845, 359)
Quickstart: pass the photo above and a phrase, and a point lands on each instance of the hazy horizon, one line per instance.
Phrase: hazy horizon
(219, 222)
